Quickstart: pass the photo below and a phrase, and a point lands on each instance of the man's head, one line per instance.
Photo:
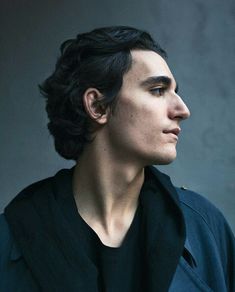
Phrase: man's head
(98, 59)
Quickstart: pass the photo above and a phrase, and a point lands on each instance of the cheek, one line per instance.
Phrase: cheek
(134, 114)
(140, 118)
(127, 124)
(145, 116)
(143, 125)
(136, 121)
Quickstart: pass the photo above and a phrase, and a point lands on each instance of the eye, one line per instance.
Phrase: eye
(158, 90)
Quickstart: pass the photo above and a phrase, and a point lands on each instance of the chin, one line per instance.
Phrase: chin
(165, 158)
(165, 162)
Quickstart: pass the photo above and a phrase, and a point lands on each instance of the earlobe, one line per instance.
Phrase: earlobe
(94, 108)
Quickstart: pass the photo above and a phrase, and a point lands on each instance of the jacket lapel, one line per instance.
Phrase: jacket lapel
(186, 279)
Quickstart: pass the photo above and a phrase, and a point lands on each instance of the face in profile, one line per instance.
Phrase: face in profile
(145, 126)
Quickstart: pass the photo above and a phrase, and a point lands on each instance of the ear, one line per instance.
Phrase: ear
(96, 111)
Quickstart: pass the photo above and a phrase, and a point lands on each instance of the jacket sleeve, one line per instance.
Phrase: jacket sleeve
(207, 215)
(226, 244)
(5, 250)
(5, 242)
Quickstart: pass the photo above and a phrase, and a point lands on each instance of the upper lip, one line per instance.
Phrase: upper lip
(175, 131)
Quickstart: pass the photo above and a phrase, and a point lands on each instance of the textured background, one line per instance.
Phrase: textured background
(199, 37)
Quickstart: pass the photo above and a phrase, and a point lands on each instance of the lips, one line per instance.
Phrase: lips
(174, 131)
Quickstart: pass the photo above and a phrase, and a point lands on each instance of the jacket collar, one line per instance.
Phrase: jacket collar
(165, 181)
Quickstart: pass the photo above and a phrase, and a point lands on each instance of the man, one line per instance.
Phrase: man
(114, 222)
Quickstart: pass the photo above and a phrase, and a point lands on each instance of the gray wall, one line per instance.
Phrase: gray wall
(200, 39)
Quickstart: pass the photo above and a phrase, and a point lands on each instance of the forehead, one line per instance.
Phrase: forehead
(146, 64)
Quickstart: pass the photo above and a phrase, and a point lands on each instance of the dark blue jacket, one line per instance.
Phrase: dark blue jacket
(208, 262)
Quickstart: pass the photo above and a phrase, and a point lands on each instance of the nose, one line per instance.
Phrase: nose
(179, 109)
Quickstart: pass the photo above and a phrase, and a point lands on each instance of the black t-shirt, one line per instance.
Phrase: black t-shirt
(121, 268)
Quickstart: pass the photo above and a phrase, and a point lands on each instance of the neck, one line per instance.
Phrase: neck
(106, 190)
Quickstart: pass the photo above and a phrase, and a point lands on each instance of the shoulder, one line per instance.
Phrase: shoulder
(201, 212)
(206, 226)
(209, 235)
(50, 184)
(38, 186)
(196, 205)
(8, 248)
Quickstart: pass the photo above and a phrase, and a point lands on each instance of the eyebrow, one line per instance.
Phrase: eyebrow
(165, 80)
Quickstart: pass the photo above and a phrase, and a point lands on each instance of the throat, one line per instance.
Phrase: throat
(113, 231)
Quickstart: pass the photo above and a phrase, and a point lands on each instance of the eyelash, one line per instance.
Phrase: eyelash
(158, 90)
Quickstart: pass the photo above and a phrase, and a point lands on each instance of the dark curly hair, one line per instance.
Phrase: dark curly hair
(97, 59)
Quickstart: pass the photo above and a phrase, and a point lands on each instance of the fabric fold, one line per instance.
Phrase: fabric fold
(43, 220)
